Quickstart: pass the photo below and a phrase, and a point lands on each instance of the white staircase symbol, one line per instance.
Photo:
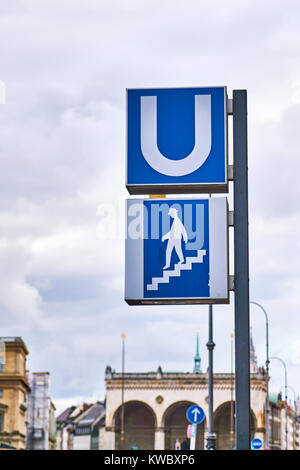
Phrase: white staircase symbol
(176, 272)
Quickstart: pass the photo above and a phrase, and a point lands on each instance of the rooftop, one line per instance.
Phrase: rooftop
(92, 414)
(161, 375)
(64, 415)
(11, 339)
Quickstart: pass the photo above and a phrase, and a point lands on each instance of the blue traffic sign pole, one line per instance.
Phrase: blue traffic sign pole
(241, 271)
(193, 437)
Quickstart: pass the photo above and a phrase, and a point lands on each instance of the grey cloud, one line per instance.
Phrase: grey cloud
(62, 149)
(275, 166)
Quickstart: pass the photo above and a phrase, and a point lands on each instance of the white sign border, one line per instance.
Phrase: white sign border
(219, 258)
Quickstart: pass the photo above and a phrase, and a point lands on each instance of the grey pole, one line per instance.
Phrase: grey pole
(286, 398)
(267, 374)
(211, 437)
(231, 395)
(241, 270)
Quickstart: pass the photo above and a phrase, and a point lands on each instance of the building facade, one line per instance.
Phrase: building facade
(62, 436)
(40, 411)
(14, 389)
(155, 406)
(275, 421)
(153, 413)
(284, 423)
(64, 425)
(52, 427)
(148, 410)
(81, 427)
(87, 428)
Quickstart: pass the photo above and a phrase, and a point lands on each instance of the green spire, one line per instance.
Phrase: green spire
(197, 360)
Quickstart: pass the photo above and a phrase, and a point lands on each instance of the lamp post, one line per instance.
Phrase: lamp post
(285, 386)
(267, 374)
(211, 437)
(291, 388)
(123, 336)
(231, 393)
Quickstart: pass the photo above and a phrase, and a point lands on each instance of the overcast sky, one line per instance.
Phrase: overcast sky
(66, 65)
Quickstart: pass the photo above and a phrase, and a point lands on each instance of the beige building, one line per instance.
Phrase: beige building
(13, 392)
(148, 410)
(155, 405)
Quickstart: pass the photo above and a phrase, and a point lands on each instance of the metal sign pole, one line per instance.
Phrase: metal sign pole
(193, 437)
(211, 437)
(241, 270)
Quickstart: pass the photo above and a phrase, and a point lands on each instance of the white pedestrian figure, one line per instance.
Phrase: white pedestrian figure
(174, 237)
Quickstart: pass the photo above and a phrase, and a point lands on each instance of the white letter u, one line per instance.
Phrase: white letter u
(202, 146)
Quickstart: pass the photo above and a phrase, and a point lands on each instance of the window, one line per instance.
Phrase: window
(1, 422)
(95, 439)
(38, 433)
(83, 430)
(1, 393)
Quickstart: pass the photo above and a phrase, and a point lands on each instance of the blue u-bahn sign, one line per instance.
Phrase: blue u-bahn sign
(176, 140)
(176, 251)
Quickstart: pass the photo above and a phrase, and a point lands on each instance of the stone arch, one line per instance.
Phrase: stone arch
(175, 426)
(224, 425)
(139, 426)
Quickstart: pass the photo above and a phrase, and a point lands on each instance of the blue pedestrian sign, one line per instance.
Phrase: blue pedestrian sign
(176, 140)
(176, 251)
(256, 443)
(195, 414)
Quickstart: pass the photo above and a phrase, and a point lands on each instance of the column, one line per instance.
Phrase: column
(159, 439)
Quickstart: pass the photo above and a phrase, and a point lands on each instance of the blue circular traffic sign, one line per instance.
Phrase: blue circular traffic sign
(195, 414)
(256, 443)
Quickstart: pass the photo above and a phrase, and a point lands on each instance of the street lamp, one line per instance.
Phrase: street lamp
(285, 386)
(291, 388)
(123, 336)
(211, 437)
(267, 373)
